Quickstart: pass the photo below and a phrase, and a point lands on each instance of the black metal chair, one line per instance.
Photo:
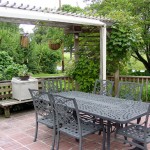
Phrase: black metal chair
(67, 115)
(103, 87)
(52, 85)
(139, 133)
(130, 91)
(44, 112)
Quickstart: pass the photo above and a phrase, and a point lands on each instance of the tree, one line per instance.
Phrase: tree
(43, 59)
(129, 12)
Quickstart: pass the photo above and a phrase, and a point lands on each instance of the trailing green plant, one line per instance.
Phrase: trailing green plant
(85, 72)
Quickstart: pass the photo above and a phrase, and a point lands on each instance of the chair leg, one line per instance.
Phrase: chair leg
(36, 132)
(57, 140)
(53, 138)
(101, 123)
(104, 139)
(80, 143)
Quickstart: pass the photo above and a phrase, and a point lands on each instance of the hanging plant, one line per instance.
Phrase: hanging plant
(24, 41)
(55, 36)
(54, 44)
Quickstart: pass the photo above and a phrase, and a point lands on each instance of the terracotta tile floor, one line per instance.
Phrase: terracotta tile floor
(17, 133)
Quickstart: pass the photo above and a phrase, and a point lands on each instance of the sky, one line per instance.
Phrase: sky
(46, 3)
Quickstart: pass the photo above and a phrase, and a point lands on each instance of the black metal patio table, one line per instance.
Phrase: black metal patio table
(111, 109)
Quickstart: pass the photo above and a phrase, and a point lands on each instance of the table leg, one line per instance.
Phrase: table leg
(108, 134)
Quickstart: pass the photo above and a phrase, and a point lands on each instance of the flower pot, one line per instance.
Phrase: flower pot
(54, 46)
(24, 77)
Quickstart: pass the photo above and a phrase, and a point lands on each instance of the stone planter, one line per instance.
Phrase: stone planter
(20, 88)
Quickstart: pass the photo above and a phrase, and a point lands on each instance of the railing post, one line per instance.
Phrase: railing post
(116, 80)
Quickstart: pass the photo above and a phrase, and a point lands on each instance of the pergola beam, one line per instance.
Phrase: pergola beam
(26, 14)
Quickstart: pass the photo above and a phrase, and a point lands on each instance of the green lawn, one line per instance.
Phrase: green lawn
(46, 75)
(136, 65)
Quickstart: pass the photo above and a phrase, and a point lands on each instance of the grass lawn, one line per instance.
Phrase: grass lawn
(136, 65)
(47, 75)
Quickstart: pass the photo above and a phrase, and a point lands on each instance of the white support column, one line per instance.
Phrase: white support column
(103, 53)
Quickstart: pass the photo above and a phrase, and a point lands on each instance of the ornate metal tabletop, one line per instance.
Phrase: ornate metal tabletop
(108, 108)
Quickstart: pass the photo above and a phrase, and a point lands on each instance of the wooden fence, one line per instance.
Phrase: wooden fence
(69, 84)
(6, 86)
(145, 80)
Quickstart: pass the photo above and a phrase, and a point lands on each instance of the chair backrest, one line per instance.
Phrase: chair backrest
(130, 91)
(146, 124)
(66, 110)
(51, 85)
(147, 116)
(42, 104)
(103, 87)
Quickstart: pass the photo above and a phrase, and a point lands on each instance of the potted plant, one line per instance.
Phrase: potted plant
(23, 73)
(55, 44)
(54, 36)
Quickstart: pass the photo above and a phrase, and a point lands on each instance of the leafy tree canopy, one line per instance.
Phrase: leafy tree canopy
(133, 13)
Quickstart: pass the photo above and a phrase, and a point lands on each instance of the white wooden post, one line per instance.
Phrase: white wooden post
(103, 53)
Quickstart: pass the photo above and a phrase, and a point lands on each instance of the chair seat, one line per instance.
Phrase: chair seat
(47, 120)
(86, 127)
(135, 132)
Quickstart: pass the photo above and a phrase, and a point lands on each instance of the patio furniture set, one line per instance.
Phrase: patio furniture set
(66, 112)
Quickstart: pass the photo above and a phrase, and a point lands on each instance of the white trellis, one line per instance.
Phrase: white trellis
(26, 14)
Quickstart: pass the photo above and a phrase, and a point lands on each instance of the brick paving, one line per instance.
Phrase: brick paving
(17, 133)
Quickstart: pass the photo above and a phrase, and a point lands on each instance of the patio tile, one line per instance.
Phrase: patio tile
(38, 145)
(17, 133)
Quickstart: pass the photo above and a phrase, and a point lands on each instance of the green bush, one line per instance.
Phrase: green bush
(44, 59)
(13, 70)
(5, 60)
(86, 71)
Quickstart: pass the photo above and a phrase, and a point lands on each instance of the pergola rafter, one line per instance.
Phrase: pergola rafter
(26, 14)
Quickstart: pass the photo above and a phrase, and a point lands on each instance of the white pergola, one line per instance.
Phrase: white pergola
(26, 14)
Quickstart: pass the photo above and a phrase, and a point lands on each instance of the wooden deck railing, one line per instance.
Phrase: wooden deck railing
(145, 80)
(5, 90)
(6, 86)
(69, 84)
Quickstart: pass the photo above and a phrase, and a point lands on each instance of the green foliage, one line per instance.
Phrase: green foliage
(134, 14)
(46, 60)
(121, 41)
(11, 71)
(85, 72)
(9, 38)
(8, 68)
(23, 70)
(5, 60)
(69, 8)
(70, 68)
(55, 35)
(1, 77)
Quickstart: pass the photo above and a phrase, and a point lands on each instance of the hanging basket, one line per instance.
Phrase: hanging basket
(24, 41)
(54, 46)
